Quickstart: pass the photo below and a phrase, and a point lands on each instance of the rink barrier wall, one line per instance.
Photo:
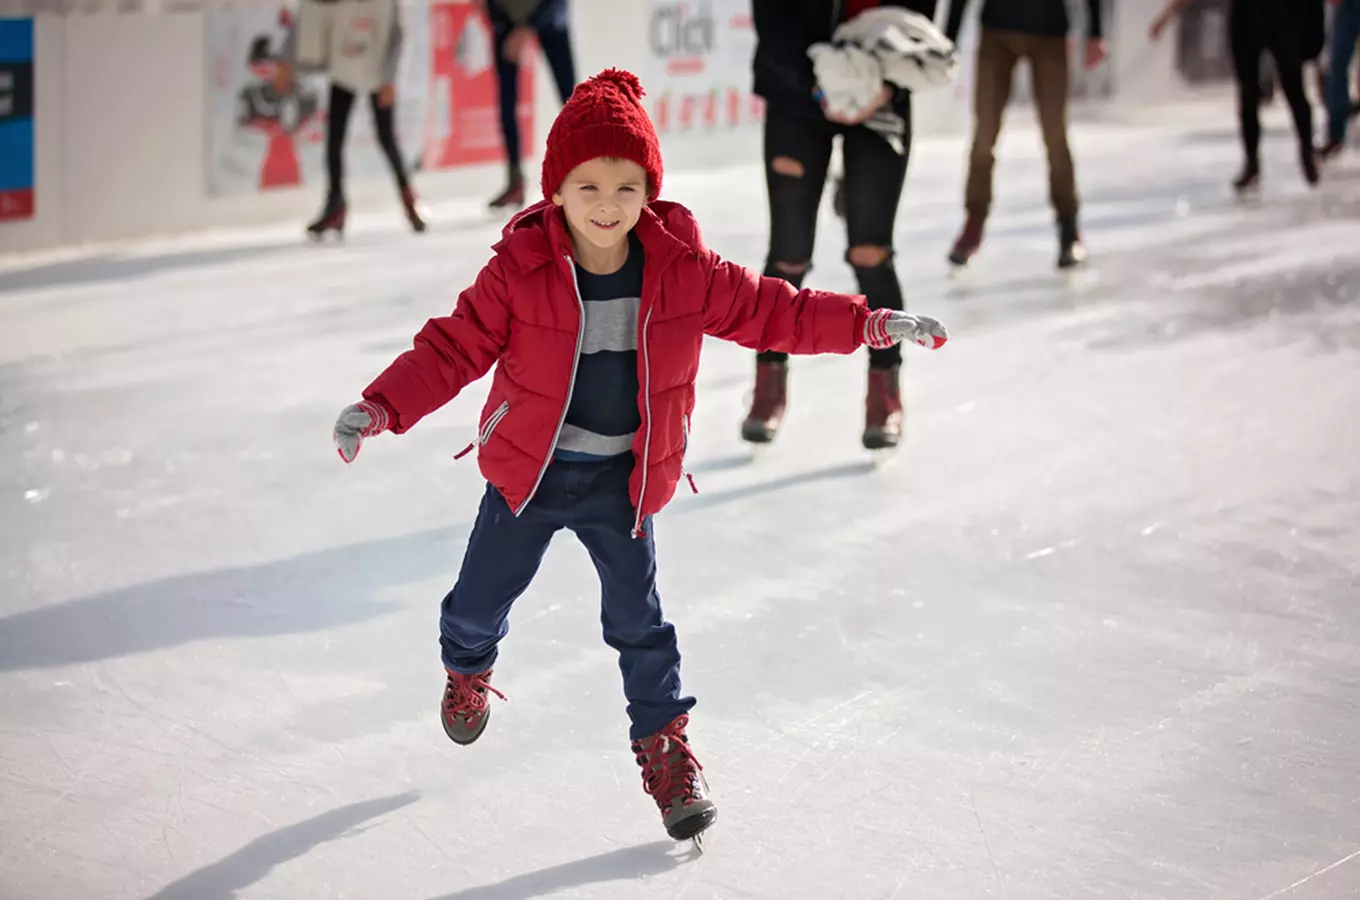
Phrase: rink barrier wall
(121, 127)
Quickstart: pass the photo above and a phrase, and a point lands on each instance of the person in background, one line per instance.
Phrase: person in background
(357, 44)
(1292, 31)
(1033, 30)
(799, 142)
(1345, 34)
(516, 23)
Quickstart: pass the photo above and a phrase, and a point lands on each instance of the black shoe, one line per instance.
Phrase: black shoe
(1249, 180)
(1308, 161)
(1071, 251)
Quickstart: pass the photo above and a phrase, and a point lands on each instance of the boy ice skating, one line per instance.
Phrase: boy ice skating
(595, 304)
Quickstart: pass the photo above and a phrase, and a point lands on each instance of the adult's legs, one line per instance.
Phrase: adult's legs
(552, 24)
(1052, 86)
(797, 154)
(384, 123)
(1283, 36)
(874, 177)
(1345, 34)
(996, 59)
(507, 89)
(339, 106)
(1247, 43)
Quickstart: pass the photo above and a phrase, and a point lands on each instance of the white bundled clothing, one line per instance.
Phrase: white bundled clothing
(881, 45)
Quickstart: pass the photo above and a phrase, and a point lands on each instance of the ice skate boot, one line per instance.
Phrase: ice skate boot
(1249, 182)
(767, 403)
(1071, 251)
(332, 218)
(883, 410)
(464, 710)
(674, 779)
(968, 243)
(416, 212)
(1308, 162)
(513, 195)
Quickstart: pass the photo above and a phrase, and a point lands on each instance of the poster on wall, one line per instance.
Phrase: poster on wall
(463, 119)
(699, 65)
(16, 119)
(259, 140)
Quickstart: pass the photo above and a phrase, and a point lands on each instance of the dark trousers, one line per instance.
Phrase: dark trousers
(504, 552)
(551, 24)
(384, 123)
(1256, 26)
(998, 54)
(1345, 32)
(874, 175)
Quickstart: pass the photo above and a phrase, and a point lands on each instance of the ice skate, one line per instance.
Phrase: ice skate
(967, 244)
(332, 219)
(1071, 251)
(464, 710)
(513, 195)
(672, 776)
(1248, 184)
(416, 212)
(767, 403)
(883, 410)
(1308, 162)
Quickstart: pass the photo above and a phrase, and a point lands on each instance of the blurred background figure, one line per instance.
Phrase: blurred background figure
(516, 23)
(1345, 34)
(1033, 30)
(357, 44)
(801, 126)
(1293, 32)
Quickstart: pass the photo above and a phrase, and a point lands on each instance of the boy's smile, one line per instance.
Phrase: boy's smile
(603, 199)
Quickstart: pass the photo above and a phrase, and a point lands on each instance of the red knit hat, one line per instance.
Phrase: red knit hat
(603, 117)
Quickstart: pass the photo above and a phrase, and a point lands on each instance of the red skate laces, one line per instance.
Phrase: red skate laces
(466, 694)
(669, 768)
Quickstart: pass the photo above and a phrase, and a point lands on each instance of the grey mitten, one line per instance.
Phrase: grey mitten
(885, 327)
(363, 419)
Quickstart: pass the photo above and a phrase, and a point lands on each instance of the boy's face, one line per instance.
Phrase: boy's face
(603, 199)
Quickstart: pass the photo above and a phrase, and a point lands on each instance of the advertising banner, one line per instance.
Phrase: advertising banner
(699, 70)
(16, 119)
(464, 109)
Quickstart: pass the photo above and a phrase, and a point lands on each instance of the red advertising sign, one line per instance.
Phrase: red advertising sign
(463, 124)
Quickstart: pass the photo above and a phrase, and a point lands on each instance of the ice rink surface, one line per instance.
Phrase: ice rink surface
(1094, 633)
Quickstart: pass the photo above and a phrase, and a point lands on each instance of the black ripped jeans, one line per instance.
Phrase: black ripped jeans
(1256, 26)
(874, 175)
(384, 123)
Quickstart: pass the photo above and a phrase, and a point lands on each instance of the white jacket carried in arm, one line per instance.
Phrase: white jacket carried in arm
(356, 42)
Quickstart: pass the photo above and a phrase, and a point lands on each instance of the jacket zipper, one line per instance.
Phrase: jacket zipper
(571, 386)
(647, 443)
(484, 434)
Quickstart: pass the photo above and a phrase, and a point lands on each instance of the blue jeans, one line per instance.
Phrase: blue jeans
(550, 21)
(504, 553)
(1345, 32)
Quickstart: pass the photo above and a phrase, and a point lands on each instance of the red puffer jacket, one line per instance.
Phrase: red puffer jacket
(524, 311)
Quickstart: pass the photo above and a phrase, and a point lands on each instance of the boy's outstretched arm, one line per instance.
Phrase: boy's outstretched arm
(764, 313)
(450, 353)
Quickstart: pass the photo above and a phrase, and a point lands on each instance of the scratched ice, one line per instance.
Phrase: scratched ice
(1092, 635)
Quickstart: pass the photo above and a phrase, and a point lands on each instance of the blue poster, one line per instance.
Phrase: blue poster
(16, 119)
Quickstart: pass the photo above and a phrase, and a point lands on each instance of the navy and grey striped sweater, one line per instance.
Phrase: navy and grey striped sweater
(603, 416)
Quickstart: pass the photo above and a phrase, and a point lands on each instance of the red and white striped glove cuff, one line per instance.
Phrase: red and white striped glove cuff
(876, 329)
(377, 412)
